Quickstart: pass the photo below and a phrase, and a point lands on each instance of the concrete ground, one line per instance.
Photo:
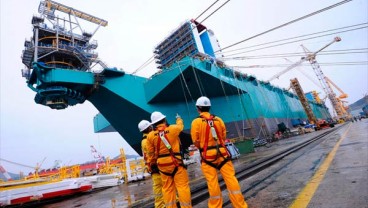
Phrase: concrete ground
(345, 183)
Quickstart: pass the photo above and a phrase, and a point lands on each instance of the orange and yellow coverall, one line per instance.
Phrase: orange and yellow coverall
(199, 132)
(174, 176)
(156, 177)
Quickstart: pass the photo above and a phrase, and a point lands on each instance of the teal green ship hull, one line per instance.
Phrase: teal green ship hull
(249, 107)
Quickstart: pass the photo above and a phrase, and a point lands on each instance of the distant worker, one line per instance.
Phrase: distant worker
(164, 150)
(145, 127)
(208, 135)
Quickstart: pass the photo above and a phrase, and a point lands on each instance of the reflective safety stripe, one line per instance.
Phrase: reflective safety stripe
(170, 203)
(164, 140)
(235, 192)
(215, 197)
(213, 130)
(185, 204)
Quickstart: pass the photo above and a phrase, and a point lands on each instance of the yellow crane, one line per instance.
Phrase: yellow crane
(343, 94)
(340, 101)
(295, 85)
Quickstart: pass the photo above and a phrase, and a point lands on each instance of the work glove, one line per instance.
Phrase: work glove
(177, 116)
(152, 168)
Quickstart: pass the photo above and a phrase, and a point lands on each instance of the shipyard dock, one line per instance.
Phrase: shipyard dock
(330, 172)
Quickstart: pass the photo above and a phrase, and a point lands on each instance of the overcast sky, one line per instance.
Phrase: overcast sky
(31, 132)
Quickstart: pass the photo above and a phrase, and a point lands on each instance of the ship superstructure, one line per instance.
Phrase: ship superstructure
(189, 39)
(189, 69)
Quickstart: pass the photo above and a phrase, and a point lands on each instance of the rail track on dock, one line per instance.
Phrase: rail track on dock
(199, 189)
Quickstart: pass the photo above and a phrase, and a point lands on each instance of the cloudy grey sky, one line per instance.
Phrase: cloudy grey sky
(31, 132)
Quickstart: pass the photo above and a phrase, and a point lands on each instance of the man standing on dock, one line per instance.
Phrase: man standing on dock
(164, 150)
(145, 127)
(208, 135)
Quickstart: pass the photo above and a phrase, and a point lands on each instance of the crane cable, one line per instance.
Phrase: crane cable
(300, 36)
(285, 24)
(15, 163)
(206, 9)
(285, 55)
(215, 11)
(298, 40)
(351, 63)
(182, 79)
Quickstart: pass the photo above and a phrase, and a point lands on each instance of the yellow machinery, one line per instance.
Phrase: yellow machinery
(294, 84)
(343, 95)
(316, 97)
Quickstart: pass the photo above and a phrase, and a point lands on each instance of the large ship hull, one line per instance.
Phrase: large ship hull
(249, 107)
(58, 62)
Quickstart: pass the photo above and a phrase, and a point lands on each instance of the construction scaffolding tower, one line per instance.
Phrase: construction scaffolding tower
(178, 44)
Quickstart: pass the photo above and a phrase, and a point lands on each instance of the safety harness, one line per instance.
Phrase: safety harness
(209, 160)
(163, 137)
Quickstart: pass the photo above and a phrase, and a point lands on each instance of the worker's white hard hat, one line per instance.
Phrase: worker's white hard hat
(143, 125)
(203, 101)
(156, 117)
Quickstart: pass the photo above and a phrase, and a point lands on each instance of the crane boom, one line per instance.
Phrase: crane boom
(341, 113)
(308, 57)
(343, 94)
(287, 69)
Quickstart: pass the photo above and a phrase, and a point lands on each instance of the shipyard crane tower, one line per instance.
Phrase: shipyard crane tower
(97, 155)
(311, 57)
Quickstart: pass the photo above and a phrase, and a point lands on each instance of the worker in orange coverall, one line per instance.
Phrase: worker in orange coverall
(145, 127)
(164, 150)
(208, 134)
